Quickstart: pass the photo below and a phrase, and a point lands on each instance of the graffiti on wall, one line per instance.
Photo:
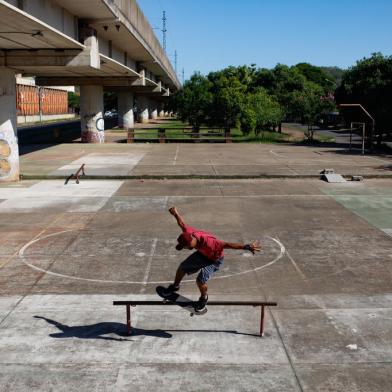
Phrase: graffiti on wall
(5, 152)
(94, 127)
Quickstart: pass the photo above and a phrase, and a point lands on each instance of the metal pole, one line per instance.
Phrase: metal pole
(363, 139)
(262, 321)
(40, 103)
(351, 136)
(129, 327)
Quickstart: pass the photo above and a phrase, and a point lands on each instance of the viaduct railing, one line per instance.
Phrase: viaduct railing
(131, 11)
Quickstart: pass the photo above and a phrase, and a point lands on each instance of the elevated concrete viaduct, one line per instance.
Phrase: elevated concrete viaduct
(95, 44)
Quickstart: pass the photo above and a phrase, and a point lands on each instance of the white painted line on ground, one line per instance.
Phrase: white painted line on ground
(175, 157)
(277, 154)
(377, 159)
(22, 257)
(295, 265)
(149, 263)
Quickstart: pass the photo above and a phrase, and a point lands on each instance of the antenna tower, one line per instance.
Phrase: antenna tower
(164, 31)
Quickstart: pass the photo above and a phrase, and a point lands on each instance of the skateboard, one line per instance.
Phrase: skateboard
(180, 300)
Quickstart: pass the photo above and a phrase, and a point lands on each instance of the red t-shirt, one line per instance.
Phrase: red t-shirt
(207, 244)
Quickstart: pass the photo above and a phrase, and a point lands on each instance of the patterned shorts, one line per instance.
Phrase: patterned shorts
(197, 261)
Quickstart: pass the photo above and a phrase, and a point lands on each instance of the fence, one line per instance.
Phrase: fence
(35, 100)
(179, 135)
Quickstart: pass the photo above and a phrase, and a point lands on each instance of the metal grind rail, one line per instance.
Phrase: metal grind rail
(76, 175)
(129, 304)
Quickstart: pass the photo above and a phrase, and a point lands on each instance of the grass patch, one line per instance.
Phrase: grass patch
(262, 137)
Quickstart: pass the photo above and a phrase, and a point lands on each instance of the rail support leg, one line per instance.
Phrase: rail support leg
(129, 327)
(262, 321)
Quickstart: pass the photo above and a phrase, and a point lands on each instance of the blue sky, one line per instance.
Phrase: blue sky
(212, 34)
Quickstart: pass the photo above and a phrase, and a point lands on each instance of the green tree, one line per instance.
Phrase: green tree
(316, 75)
(335, 74)
(74, 101)
(369, 83)
(229, 94)
(262, 112)
(193, 101)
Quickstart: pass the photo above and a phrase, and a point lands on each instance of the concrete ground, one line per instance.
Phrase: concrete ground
(206, 160)
(68, 251)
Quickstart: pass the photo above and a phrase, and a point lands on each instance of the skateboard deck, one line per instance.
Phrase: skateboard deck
(180, 300)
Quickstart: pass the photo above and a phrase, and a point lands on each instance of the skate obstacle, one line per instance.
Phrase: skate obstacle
(129, 304)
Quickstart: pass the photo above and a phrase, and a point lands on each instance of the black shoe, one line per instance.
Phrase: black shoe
(201, 304)
(172, 289)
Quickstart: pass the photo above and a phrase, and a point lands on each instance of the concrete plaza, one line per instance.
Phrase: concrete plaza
(68, 251)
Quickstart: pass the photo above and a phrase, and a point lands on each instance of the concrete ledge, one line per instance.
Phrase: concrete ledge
(194, 176)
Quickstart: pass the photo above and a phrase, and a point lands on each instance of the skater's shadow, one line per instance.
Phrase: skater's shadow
(99, 330)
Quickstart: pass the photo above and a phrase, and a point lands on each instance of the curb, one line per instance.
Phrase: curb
(200, 177)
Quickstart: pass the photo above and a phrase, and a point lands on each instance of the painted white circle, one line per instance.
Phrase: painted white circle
(100, 124)
(22, 257)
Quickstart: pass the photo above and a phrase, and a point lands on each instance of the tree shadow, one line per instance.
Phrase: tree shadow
(99, 330)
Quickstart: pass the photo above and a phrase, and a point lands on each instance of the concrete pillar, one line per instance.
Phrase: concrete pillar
(153, 110)
(9, 151)
(125, 110)
(91, 114)
(142, 109)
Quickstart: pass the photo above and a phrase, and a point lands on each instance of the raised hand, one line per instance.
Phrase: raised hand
(254, 247)
(173, 211)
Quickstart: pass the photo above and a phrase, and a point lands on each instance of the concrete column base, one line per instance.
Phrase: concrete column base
(144, 116)
(9, 150)
(154, 114)
(91, 114)
(125, 110)
(142, 109)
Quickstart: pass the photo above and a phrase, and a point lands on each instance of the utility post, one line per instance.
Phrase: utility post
(164, 31)
(358, 105)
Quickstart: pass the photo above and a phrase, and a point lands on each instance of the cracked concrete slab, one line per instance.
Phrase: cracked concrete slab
(325, 263)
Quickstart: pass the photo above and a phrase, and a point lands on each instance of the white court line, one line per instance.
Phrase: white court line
(149, 263)
(277, 154)
(22, 257)
(175, 157)
(295, 265)
(377, 159)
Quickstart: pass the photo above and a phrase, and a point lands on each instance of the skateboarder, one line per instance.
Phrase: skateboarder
(207, 259)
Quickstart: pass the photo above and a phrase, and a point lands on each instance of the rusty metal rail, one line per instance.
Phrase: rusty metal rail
(76, 175)
(129, 304)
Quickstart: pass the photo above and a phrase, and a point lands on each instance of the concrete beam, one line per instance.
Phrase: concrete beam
(120, 82)
(39, 58)
(48, 58)
(142, 80)
(147, 90)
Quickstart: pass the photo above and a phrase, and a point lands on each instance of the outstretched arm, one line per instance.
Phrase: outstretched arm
(174, 212)
(254, 247)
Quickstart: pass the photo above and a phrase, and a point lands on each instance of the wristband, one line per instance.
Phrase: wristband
(248, 247)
